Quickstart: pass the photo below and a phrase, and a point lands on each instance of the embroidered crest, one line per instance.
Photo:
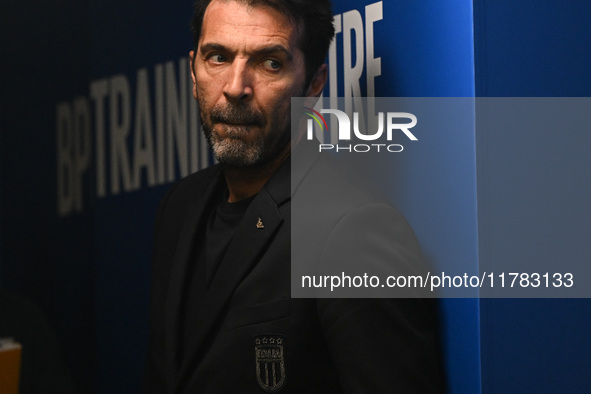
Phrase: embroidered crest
(270, 362)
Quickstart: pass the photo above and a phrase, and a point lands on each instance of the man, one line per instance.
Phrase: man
(222, 320)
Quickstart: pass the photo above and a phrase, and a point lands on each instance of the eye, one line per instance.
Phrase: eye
(217, 58)
(272, 64)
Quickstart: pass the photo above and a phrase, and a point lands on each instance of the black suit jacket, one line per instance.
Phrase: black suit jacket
(254, 337)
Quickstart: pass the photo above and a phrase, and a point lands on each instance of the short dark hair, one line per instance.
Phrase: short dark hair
(314, 17)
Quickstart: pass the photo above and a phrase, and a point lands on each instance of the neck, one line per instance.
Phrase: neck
(245, 182)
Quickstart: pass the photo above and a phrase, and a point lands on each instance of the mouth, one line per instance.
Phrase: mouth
(235, 130)
(239, 124)
(240, 119)
(235, 122)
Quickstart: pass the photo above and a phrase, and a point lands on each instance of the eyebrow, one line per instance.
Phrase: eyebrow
(259, 52)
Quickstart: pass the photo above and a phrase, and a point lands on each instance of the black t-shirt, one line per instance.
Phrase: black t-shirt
(214, 239)
(221, 226)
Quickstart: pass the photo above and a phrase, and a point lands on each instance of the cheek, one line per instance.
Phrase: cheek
(207, 88)
(279, 94)
(282, 98)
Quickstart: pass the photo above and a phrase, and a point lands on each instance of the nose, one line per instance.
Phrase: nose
(239, 85)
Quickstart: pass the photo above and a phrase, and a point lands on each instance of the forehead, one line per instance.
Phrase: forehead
(229, 22)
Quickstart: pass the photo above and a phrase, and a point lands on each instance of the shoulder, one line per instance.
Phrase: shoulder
(343, 223)
(192, 191)
(189, 190)
(196, 183)
(331, 193)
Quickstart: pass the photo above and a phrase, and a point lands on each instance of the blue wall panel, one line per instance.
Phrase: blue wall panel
(426, 50)
(534, 193)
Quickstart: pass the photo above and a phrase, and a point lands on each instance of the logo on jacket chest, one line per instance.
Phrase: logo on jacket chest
(270, 362)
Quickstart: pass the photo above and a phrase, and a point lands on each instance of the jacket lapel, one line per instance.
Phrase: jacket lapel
(197, 214)
(304, 156)
(248, 245)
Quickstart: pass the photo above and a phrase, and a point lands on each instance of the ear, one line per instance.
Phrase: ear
(192, 57)
(318, 82)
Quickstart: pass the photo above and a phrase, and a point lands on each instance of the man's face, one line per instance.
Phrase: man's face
(246, 69)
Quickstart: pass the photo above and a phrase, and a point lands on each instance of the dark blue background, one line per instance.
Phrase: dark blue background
(89, 272)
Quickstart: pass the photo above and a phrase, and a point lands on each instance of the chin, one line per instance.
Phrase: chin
(236, 153)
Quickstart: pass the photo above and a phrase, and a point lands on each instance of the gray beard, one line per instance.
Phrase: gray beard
(232, 150)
